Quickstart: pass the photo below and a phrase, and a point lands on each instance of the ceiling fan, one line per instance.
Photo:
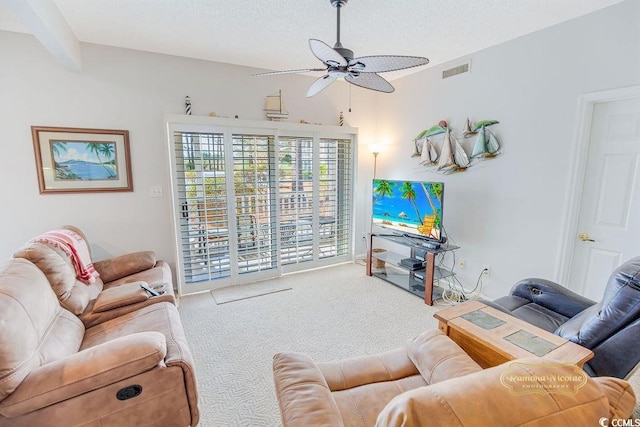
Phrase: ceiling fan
(340, 62)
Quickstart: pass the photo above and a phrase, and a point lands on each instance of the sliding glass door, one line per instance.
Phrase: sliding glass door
(296, 199)
(255, 203)
(253, 193)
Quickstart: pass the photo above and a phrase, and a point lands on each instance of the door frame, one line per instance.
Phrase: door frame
(578, 170)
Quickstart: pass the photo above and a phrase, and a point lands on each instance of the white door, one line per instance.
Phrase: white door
(609, 220)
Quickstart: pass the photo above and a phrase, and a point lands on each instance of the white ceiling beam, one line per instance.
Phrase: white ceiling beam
(45, 21)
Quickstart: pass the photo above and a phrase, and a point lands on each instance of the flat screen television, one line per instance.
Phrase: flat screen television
(409, 207)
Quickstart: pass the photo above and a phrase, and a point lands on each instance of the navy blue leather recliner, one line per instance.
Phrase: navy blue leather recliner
(610, 328)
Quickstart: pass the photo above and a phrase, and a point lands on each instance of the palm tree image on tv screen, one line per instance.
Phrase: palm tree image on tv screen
(409, 207)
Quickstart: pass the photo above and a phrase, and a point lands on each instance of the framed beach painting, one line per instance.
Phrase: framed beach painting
(71, 160)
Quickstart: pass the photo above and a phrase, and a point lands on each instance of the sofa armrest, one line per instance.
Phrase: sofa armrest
(178, 354)
(303, 394)
(87, 370)
(552, 296)
(620, 394)
(439, 358)
(124, 265)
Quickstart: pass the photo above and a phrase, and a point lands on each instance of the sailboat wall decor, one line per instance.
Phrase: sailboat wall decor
(422, 138)
(467, 132)
(275, 108)
(453, 157)
(486, 144)
(428, 155)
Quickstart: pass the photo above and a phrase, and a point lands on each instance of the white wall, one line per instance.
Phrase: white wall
(508, 212)
(132, 90)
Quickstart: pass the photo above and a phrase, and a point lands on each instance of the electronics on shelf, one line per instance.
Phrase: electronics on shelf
(412, 263)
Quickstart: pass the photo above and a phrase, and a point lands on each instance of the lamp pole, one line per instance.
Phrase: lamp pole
(375, 161)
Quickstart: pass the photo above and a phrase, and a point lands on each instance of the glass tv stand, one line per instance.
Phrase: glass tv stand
(417, 279)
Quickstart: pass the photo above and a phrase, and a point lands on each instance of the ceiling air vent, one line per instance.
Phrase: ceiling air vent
(464, 68)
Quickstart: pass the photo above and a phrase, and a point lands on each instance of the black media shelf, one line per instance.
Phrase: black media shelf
(386, 265)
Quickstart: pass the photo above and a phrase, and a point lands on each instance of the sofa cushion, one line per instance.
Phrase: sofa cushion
(125, 265)
(619, 308)
(155, 277)
(357, 371)
(361, 386)
(56, 265)
(120, 296)
(75, 248)
(35, 329)
(459, 401)
(540, 316)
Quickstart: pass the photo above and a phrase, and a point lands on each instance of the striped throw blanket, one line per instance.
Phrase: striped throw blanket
(72, 244)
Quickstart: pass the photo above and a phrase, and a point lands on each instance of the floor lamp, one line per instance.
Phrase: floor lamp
(375, 162)
(375, 150)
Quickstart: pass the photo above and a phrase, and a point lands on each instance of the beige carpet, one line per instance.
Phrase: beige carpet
(252, 290)
(329, 314)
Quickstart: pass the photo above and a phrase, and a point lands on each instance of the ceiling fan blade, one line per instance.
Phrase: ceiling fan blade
(370, 81)
(275, 73)
(320, 84)
(326, 53)
(382, 63)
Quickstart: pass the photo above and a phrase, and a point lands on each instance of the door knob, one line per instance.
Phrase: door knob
(585, 237)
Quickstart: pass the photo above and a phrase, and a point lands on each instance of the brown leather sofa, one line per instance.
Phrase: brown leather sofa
(132, 369)
(433, 382)
(115, 292)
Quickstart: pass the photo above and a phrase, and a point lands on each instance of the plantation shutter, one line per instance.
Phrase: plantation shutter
(296, 199)
(256, 202)
(254, 188)
(336, 193)
(202, 196)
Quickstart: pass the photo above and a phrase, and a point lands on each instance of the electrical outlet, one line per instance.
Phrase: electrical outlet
(486, 270)
(461, 264)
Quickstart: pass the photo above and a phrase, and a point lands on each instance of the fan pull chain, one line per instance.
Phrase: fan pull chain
(349, 98)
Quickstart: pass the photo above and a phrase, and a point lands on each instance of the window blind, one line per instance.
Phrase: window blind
(253, 203)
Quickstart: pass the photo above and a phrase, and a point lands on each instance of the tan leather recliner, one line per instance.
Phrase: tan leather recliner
(433, 382)
(115, 292)
(135, 369)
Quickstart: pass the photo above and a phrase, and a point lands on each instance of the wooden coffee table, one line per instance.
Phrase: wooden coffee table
(492, 337)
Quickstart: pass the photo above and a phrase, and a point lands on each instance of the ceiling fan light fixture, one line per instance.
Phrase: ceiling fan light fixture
(340, 62)
(346, 53)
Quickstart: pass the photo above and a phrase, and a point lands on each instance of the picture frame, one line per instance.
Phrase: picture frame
(81, 160)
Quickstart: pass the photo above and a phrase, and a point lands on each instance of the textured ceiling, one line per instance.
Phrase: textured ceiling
(273, 35)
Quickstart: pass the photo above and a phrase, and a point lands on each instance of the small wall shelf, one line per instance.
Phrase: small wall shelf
(416, 281)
